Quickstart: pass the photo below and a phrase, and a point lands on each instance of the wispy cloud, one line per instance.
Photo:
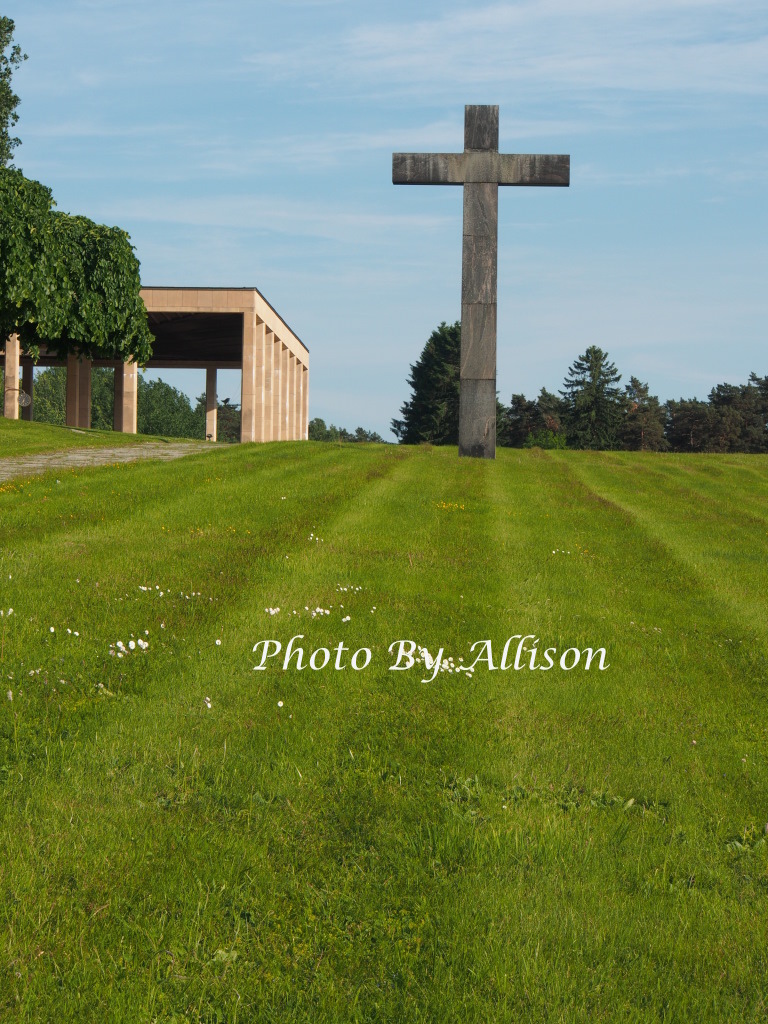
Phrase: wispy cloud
(686, 45)
(266, 215)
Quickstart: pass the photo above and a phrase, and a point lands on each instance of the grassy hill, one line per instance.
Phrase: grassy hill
(186, 838)
(18, 437)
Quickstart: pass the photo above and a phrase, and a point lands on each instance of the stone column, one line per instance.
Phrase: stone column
(300, 401)
(11, 398)
(277, 389)
(78, 411)
(126, 397)
(211, 403)
(84, 395)
(477, 397)
(254, 394)
(294, 405)
(288, 432)
(285, 393)
(247, 382)
(269, 384)
(304, 403)
(28, 385)
(297, 388)
(72, 413)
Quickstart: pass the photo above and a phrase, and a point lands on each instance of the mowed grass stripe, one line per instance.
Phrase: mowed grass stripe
(518, 845)
(715, 524)
(118, 528)
(619, 588)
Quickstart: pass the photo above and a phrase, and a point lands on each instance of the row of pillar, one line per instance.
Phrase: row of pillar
(274, 400)
(78, 398)
(275, 394)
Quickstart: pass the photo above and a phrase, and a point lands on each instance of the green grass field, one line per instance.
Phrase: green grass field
(186, 839)
(20, 438)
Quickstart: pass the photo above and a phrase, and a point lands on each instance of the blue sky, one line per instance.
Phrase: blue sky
(249, 144)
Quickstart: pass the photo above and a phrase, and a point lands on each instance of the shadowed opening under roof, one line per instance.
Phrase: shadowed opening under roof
(203, 337)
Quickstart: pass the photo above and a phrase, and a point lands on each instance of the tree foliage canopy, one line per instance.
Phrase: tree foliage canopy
(432, 414)
(10, 58)
(593, 403)
(318, 431)
(162, 408)
(642, 429)
(64, 281)
(591, 411)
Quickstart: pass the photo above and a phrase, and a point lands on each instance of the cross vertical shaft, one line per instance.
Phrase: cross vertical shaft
(480, 169)
(477, 398)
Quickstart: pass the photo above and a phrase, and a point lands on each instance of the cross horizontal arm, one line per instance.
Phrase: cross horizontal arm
(497, 168)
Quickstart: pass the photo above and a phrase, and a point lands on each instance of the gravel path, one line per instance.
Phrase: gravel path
(27, 465)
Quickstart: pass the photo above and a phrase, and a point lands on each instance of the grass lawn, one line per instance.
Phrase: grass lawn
(186, 839)
(18, 437)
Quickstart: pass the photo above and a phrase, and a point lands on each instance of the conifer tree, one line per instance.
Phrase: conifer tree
(594, 406)
(432, 414)
(644, 419)
(688, 425)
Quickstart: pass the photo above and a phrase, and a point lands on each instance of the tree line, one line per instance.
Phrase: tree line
(591, 410)
(318, 431)
(162, 409)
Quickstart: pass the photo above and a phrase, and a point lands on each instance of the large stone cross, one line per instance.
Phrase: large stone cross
(480, 169)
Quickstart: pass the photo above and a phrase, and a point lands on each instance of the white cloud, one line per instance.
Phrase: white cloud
(686, 45)
(265, 214)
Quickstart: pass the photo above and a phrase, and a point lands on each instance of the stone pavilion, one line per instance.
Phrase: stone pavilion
(206, 328)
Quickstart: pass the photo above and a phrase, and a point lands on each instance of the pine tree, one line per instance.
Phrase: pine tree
(688, 425)
(432, 414)
(644, 420)
(522, 420)
(738, 418)
(594, 406)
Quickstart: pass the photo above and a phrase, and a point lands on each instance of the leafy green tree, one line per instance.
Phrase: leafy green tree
(545, 438)
(594, 406)
(50, 395)
(644, 419)
(227, 419)
(66, 282)
(317, 430)
(228, 422)
(367, 436)
(102, 398)
(10, 58)
(163, 409)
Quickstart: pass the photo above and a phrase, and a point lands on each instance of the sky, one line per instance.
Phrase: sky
(244, 143)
